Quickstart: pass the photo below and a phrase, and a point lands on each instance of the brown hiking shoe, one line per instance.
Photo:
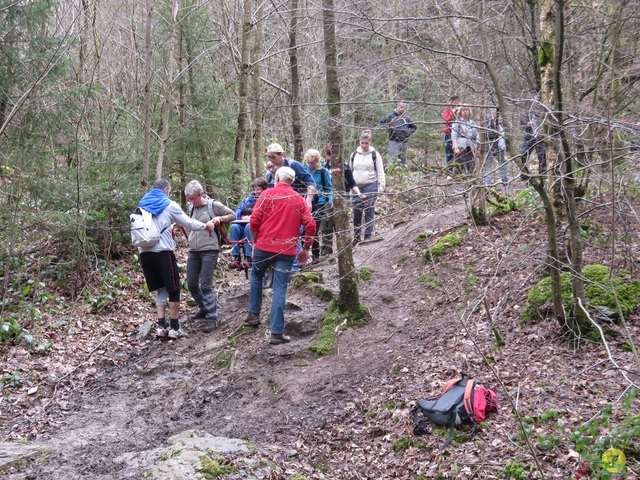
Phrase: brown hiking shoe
(252, 320)
(278, 338)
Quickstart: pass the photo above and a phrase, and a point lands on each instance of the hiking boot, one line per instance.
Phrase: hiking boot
(209, 325)
(278, 338)
(201, 314)
(175, 334)
(161, 332)
(252, 320)
(246, 264)
(236, 265)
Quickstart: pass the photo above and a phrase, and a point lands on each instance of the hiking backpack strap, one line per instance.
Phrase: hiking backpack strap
(373, 157)
(210, 207)
(419, 428)
(323, 181)
(452, 427)
(449, 384)
(467, 401)
(450, 437)
(219, 233)
(223, 239)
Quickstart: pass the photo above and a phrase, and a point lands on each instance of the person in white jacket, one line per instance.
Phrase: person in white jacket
(464, 136)
(368, 173)
(159, 262)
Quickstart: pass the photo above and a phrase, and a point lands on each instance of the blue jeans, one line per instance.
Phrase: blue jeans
(295, 267)
(281, 273)
(238, 232)
(502, 165)
(365, 208)
(200, 268)
(448, 151)
(397, 150)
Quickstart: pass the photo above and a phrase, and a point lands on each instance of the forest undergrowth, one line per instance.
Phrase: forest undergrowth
(346, 414)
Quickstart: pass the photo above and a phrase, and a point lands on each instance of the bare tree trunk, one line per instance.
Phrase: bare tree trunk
(147, 96)
(192, 88)
(296, 116)
(168, 91)
(256, 97)
(182, 103)
(486, 53)
(84, 32)
(552, 262)
(241, 136)
(348, 298)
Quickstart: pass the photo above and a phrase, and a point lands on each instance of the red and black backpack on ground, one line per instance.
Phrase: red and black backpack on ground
(463, 401)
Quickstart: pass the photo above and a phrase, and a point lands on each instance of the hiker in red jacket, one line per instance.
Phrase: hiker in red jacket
(275, 227)
(449, 116)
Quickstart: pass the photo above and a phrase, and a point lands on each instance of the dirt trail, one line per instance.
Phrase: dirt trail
(270, 394)
(342, 413)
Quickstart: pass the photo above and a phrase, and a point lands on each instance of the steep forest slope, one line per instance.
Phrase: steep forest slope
(106, 394)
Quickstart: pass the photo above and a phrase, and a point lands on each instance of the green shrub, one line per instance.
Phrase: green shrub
(515, 470)
(365, 273)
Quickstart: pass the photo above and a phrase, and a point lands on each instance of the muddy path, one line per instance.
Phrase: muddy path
(342, 414)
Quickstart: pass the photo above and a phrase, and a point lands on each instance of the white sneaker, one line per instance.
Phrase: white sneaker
(175, 334)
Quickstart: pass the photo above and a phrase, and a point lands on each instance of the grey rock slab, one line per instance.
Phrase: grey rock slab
(18, 455)
(182, 457)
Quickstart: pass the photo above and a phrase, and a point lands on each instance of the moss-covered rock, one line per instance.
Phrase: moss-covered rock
(598, 293)
(215, 468)
(323, 293)
(500, 204)
(304, 279)
(445, 244)
(422, 237)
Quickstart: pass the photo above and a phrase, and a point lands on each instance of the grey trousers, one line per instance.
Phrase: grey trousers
(200, 268)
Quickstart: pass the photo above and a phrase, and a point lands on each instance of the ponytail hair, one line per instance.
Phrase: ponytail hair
(366, 134)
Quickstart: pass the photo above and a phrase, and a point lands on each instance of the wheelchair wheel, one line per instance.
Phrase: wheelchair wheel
(267, 281)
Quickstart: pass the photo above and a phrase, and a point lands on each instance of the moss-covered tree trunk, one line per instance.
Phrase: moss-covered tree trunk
(562, 179)
(348, 298)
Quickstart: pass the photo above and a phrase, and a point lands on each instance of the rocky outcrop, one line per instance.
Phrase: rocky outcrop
(14, 456)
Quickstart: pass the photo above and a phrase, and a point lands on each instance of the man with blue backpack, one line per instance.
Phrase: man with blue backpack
(158, 259)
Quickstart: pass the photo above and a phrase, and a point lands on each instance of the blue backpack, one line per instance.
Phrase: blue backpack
(463, 401)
